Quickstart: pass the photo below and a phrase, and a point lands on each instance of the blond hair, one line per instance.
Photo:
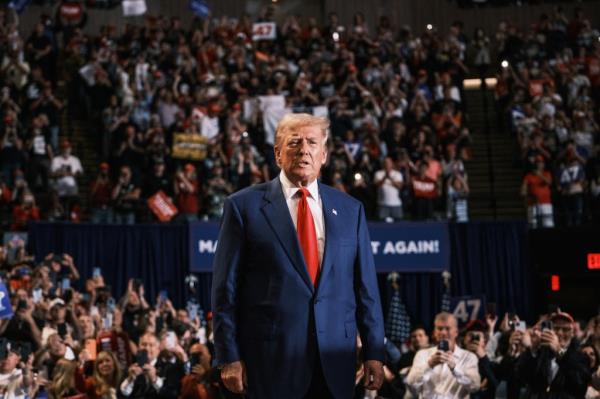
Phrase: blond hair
(292, 122)
(103, 386)
(63, 381)
(445, 316)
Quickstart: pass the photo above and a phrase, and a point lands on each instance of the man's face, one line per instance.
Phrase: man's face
(301, 154)
(86, 325)
(10, 363)
(564, 331)
(149, 343)
(445, 330)
(419, 339)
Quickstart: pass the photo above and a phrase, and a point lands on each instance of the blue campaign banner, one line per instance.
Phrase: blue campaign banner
(403, 247)
(6, 310)
(410, 246)
(203, 244)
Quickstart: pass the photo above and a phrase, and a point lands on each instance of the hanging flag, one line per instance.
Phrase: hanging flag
(200, 8)
(397, 326)
(446, 276)
(133, 8)
(19, 5)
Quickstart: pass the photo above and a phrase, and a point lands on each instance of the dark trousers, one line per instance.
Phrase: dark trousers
(318, 387)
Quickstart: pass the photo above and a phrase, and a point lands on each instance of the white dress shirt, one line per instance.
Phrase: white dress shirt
(440, 382)
(127, 384)
(315, 204)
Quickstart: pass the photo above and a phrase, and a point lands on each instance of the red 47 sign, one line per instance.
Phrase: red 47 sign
(264, 31)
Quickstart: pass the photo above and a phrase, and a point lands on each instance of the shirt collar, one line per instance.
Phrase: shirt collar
(289, 190)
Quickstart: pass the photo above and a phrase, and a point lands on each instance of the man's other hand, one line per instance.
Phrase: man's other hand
(373, 374)
(234, 377)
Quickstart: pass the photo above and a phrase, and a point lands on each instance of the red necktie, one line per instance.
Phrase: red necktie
(307, 236)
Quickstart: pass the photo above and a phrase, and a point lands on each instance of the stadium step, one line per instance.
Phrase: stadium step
(494, 179)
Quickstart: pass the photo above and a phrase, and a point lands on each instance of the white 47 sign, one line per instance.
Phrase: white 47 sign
(264, 31)
(468, 308)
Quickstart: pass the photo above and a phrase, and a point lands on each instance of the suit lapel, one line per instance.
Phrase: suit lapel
(278, 215)
(332, 226)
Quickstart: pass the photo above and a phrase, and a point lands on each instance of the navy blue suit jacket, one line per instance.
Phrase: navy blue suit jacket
(266, 311)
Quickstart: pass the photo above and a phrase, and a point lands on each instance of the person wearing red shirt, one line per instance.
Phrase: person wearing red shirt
(536, 189)
(100, 196)
(425, 191)
(186, 192)
(25, 212)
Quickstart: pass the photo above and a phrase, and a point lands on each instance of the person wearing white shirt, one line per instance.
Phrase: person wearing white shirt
(14, 381)
(389, 183)
(156, 378)
(439, 374)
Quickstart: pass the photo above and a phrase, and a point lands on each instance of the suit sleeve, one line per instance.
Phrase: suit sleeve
(226, 269)
(369, 316)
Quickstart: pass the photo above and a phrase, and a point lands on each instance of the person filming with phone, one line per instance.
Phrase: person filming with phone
(552, 366)
(475, 341)
(445, 370)
(149, 376)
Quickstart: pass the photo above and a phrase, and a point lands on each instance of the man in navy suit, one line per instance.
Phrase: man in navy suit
(294, 280)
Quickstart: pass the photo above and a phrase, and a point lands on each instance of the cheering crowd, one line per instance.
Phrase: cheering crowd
(394, 98)
(71, 336)
(548, 93)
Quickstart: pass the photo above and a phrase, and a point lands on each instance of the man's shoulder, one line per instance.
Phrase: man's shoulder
(339, 197)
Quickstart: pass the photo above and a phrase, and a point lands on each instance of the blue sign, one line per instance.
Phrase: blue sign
(6, 310)
(402, 247)
(410, 246)
(200, 8)
(468, 308)
(203, 244)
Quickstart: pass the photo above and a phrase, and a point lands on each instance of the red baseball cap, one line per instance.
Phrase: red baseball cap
(562, 316)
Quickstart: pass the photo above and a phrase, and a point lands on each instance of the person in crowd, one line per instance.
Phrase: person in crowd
(389, 183)
(418, 340)
(105, 380)
(200, 382)
(445, 369)
(16, 375)
(125, 196)
(186, 189)
(475, 340)
(594, 361)
(66, 169)
(149, 376)
(457, 194)
(553, 364)
(571, 187)
(536, 188)
(62, 385)
(100, 196)
(25, 212)
(425, 191)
